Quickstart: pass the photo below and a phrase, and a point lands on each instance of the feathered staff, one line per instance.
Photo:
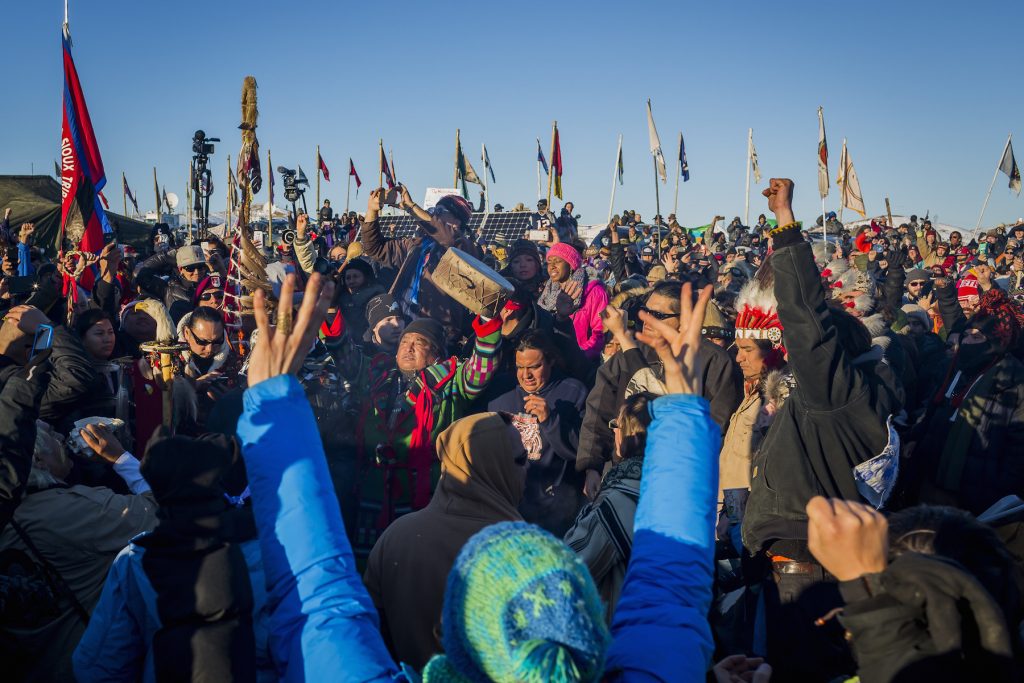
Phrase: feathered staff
(247, 270)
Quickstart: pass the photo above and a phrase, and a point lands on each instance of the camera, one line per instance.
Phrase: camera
(202, 145)
(292, 181)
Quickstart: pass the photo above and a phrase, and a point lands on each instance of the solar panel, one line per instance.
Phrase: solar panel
(512, 224)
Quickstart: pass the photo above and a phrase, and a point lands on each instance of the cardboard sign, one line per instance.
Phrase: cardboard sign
(434, 195)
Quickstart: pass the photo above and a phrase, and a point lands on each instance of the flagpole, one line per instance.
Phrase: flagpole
(348, 190)
(538, 170)
(746, 201)
(657, 205)
(455, 182)
(156, 194)
(380, 164)
(679, 172)
(188, 202)
(551, 162)
(483, 160)
(270, 200)
(842, 186)
(318, 179)
(229, 197)
(615, 177)
(124, 195)
(995, 175)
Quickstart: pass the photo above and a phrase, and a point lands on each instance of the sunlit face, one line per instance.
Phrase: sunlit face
(389, 331)
(558, 269)
(194, 273)
(524, 267)
(204, 338)
(415, 352)
(99, 339)
(532, 370)
(662, 307)
(750, 358)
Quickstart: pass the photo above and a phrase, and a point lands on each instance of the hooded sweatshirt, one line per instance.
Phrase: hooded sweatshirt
(482, 479)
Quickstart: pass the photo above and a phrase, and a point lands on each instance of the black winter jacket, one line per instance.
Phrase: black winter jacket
(722, 382)
(174, 292)
(834, 419)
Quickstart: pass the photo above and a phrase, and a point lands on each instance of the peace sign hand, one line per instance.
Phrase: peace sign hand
(677, 348)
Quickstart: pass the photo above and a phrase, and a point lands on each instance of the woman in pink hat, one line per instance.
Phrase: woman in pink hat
(570, 293)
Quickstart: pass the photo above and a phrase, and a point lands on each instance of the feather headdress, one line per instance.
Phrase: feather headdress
(756, 314)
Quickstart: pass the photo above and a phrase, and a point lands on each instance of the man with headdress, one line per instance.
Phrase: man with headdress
(835, 419)
(415, 258)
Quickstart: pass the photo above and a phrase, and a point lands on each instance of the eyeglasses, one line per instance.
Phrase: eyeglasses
(199, 341)
(197, 266)
(658, 315)
(207, 296)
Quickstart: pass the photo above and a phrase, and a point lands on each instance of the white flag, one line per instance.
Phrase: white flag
(849, 185)
(822, 157)
(753, 158)
(652, 132)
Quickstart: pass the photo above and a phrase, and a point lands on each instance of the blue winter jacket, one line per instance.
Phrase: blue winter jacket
(660, 629)
(116, 644)
(323, 624)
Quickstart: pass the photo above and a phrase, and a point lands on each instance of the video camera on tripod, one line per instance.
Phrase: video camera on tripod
(202, 179)
(293, 181)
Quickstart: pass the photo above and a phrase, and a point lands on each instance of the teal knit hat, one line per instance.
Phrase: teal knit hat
(520, 607)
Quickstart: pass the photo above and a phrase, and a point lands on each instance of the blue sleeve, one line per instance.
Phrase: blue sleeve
(323, 624)
(113, 647)
(24, 260)
(667, 592)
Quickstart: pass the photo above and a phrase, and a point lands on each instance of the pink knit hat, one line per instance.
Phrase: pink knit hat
(567, 253)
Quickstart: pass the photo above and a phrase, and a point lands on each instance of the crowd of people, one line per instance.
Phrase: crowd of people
(741, 455)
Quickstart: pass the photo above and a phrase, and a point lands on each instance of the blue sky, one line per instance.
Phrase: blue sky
(926, 94)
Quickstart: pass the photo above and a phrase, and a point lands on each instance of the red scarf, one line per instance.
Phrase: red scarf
(421, 446)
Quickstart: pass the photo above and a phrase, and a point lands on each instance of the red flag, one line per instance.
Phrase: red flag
(386, 170)
(82, 175)
(323, 168)
(352, 172)
(556, 164)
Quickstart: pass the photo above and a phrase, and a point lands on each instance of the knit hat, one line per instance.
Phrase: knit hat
(432, 330)
(524, 247)
(362, 266)
(967, 289)
(916, 312)
(458, 207)
(208, 282)
(380, 307)
(567, 254)
(915, 274)
(519, 606)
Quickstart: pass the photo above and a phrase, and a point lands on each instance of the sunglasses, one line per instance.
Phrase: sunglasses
(917, 283)
(658, 315)
(207, 296)
(197, 266)
(204, 342)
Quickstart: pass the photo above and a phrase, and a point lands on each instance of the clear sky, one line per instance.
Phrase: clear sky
(925, 92)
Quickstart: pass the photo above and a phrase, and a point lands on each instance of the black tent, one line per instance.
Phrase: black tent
(36, 199)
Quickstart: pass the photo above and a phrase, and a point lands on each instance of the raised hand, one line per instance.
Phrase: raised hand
(614, 320)
(677, 348)
(281, 351)
(848, 538)
(780, 199)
